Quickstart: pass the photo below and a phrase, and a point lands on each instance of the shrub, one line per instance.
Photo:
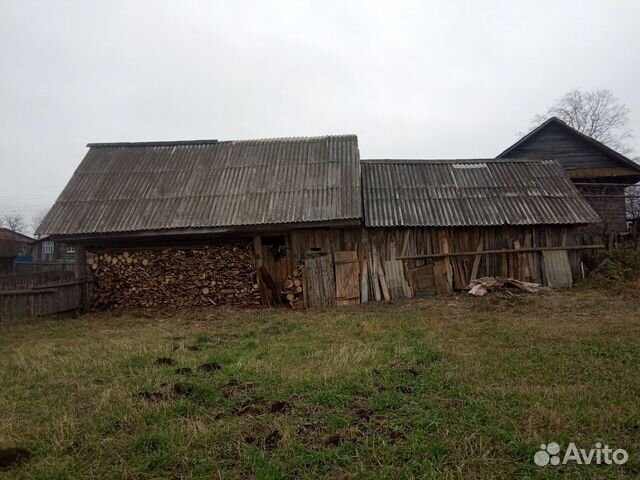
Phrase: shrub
(620, 264)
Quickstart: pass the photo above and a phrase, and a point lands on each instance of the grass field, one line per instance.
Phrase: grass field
(453, 387)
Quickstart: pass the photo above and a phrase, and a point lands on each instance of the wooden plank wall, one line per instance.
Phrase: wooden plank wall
(388, 244)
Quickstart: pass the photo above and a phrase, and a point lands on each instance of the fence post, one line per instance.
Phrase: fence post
(80, 271)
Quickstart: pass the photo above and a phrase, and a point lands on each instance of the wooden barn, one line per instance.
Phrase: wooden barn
(303, 222)
(600, 173)
(433, 226)
(179, 223)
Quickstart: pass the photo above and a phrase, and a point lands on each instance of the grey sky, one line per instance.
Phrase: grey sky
(433, 79)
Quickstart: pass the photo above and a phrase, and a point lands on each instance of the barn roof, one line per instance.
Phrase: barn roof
(470, 193)
(126, 187)
(592, 142)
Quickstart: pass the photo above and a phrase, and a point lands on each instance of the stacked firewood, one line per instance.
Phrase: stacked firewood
(292, 288)
(214, 275)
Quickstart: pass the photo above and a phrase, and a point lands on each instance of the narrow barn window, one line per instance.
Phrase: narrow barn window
(47, 247)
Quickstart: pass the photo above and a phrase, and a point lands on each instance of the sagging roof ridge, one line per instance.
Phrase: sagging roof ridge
(181, 143)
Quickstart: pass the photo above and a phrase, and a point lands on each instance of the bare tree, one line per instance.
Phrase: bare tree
(14, 222)
(632, 201)
(596, 113)
(37, 219)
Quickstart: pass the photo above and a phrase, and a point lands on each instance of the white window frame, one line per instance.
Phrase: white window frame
(70, 249)
(47, 247)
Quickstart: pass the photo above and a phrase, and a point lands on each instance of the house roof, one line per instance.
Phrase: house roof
(10, 235)
(470, 193)
(601, 147)
(126, 187)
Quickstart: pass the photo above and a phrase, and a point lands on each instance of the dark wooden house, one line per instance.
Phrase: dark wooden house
(600, 173)
(45, 249)
(12, 246)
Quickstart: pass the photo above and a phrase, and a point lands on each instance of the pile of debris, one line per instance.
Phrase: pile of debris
(214, 275)
(481, 286)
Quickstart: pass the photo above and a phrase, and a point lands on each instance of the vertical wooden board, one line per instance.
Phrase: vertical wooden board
(442, 275)
(364, 282)
(396, 280)
(476, 261)
(383, 280)
(557, 270)
(347, 278)
(374, 283)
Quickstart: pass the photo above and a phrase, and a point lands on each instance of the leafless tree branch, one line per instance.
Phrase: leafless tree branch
(14, 222)
(596, 113)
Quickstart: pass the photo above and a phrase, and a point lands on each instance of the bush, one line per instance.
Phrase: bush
(620, 264)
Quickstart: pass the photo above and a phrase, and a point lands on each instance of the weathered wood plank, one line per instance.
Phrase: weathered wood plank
(347, 278)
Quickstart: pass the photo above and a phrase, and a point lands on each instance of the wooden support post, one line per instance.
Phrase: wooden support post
(257, 255)
(80, 274)
(476, 261)
(257, 251)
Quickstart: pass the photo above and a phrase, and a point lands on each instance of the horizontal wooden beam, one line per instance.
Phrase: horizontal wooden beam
(510, 250)
(8, 293)
(63, 284)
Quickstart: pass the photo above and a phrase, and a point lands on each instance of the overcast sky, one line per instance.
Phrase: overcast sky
(423, 79)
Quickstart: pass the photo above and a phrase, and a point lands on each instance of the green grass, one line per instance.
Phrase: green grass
(452, 387)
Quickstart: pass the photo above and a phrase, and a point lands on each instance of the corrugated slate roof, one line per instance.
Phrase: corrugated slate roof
(167, 185)
(469, 193)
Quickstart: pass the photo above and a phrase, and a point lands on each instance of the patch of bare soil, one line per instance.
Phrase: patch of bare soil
(209, 367)
(13, 457)
(151, 396)
(162, 361)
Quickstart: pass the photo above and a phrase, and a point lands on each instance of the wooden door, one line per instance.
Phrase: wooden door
(423, 280)
(347, 278)
(319, 281)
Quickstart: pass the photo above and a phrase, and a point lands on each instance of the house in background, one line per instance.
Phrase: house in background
(12, 245)
(45, 249)
(600, 173)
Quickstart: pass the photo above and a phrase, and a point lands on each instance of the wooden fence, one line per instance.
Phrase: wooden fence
(23, 281)
(33, 267)
(40, 293)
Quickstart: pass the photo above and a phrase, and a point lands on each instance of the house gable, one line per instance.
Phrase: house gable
(581, 156)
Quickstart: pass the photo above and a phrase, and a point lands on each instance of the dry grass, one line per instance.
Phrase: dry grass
(453, 387)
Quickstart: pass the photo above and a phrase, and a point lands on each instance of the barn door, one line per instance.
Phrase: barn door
(347, 278)
(319, 281)
(423, 280)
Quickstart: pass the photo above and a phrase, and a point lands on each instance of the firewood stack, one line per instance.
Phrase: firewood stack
(214, 275)
(292, 288)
